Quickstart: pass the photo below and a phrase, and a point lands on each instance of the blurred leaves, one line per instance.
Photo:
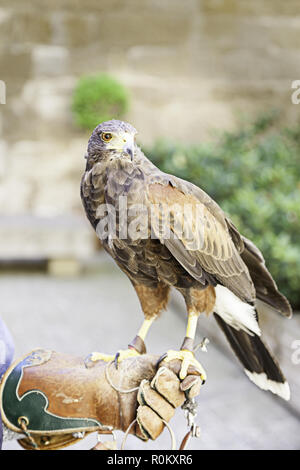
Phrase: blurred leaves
(97, 99)
(254, 175)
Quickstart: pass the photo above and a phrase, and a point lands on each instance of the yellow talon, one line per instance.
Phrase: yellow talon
(122, 354)
(126, 353)
(188, 359)
(97, 356)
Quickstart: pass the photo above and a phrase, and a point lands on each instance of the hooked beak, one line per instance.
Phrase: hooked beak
(123, 144)
(128, 147)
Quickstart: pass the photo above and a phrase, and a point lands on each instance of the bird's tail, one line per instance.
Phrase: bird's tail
(259, 365)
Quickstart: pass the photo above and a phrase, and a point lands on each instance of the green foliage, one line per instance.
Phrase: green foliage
(97, 99)
(254, 175)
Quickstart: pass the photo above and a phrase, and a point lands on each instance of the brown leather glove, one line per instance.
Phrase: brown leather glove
(96, 398)
(148, 397)
(159, 398)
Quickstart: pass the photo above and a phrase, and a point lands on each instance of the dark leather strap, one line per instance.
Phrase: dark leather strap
(138, 344)
(188, 344)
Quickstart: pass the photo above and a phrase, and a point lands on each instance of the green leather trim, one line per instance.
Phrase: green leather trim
(34, 404)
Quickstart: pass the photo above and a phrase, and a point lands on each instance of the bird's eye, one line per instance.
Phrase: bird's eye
(106, 136)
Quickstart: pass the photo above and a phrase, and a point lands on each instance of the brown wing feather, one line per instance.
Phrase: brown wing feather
(265, 286)
(201, 238)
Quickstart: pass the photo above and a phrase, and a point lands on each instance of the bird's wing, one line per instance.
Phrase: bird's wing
(200, 238)
(265, 286)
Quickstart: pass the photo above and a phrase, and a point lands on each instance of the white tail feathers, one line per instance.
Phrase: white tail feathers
(235, 312)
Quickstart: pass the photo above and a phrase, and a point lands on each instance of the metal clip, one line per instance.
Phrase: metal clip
(106, 445)
(202, 345)
(190, 411)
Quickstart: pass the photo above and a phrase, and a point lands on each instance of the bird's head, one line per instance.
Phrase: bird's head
(112, 139)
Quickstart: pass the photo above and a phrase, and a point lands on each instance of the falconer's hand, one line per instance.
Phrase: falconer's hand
(145, 398)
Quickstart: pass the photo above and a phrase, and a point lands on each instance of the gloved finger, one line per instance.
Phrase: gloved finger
(150, 397)
(167, 384)
(151, 425)
(191, 386)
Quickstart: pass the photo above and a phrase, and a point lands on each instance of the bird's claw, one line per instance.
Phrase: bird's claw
(94, 357)
(125, 354)
(188, 359)
(116, 358)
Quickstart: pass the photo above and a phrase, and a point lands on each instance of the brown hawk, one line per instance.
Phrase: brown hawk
(165, 232)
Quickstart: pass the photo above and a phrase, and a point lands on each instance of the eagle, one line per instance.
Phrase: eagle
(163, 232)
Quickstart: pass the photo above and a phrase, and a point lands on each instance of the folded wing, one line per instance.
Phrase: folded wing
(196, 232)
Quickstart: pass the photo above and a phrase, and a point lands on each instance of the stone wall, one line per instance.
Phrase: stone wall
(191, 66)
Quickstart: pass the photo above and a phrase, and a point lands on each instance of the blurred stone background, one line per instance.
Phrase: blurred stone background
(191, 68)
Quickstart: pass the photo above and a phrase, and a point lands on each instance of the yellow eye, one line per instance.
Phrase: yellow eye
(106, 136)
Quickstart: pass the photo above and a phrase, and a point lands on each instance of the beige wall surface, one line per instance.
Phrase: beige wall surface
(191, 67)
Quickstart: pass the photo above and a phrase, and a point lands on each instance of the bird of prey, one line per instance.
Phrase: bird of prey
(174, 235)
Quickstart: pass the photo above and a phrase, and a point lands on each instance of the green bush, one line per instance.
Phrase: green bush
(97, 99)
(254, 175)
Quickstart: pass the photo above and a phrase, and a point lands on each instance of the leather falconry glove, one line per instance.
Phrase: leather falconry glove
(54, 399)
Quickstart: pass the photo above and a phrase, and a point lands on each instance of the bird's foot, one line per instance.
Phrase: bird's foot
(135, 348)
(94, 357)
(188, 359)
(117, 358)
(125, 354)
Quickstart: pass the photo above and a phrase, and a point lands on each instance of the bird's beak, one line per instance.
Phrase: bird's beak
(128, 147)
(123, 143)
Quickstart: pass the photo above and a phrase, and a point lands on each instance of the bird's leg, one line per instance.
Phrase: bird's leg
(186, 353)
(135, 348)
(138, 343)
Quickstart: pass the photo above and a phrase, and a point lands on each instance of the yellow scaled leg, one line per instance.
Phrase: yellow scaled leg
(186, 354)
(124, 353)
(145, 327)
